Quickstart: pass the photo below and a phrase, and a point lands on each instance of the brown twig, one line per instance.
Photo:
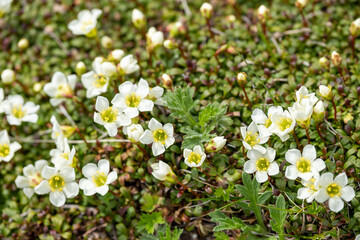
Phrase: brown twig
(335, 112)
(307, 135)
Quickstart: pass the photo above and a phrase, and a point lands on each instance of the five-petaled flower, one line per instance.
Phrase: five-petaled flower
(16, 111)
(85, 24)
(7, 149)
(195, 157)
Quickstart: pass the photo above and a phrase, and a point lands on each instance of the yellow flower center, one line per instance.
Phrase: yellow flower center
(252, 138)
(303, 165)
(4, 150)
(268, 123)
(56, 183)
(63, 90)
(100, 81)
(194, 158)
(109, 115)
(160, 136)
(65, 156)
(133, 100)
(18, 111)
(35, 180)
(333, 190)
(262, 164)
(99, 178)
(310, 184)
(86, 23)
(284, 123)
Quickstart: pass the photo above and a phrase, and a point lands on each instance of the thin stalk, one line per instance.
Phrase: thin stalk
(353, 45)
(246, 96)
(305, 22)
(209, 27)
(258, 215)
(335, 112)
(319, 132)
(188, 189)
(83, 138)
(296, 140)
(307, 135)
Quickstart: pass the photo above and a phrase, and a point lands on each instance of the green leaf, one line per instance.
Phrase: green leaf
(226, 223)
(221, 236)
(149, 222)
(212, 116)
(225, 194)
(278, 215)
(150, 202)
(265, 196)
(167, 234)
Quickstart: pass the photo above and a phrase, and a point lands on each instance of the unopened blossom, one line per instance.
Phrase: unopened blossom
(303, 94)
(310, 189)
(215, 144)
(60, 183)
(132, 98)
(32, 177)
(263, 13)
(60, 131)
(155, 95)
(23, 44)
(206, 10)
(176, 28)
(241, 78)
(80, 68)
(155, 38)
(5, 6)
(127, 65)
(300, 4)
(138, 18)
(304, 165)
(62, 155)
(282, 124)
(319, 111)
(163, 172)
(167, 81)
(110, 117)
(336, 58)
(261, 163)
(252, 139)
(324, 62)
(170, 44)
(195, 157)
(60, 87)
(335, 190)
(17, 111)
(161, 137)
(355, 28)
(7, 76)
(97, 178)
(134, 132)
(263, 121)
(325, 92)
(116, 55)
(85, 24)
(302, 112)
(7, 148)
(106, 42)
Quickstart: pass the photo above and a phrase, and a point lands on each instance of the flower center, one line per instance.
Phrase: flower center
(252, 138)
(310, 184)
(4, 150)
(160, 136)
(194, 158)
(63, 90)
(18, 111)
(132, 100)
(268, 123)
(333, 190)
(99, 178)
(100, 80)
(65, 156)
(85, 24)
(284, 123)
(35, 180)
(56, 183)
(262, 164)
(109, 115)
(303, 165)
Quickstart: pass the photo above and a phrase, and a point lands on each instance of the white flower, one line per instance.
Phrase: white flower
(60, 132)
(194, 158)
(206, 10)
(5, 6)
(131, 98)
(303, 94)
(138, 18)
(334, 190)
(163, 172)
(304, 166)
(357, 237)
(97, 178)
(282, 123)
(7, 149)
(263, 121)
(134, 132)
(252, 139)
(302, 112)
(261, 163)
(155, 95)
(319, 111)
(309, 190)
(62, 155)
(110, 117)
(128, 65)
(160, 136)
(60, 183)
(155, 38)
(16, 111)
(215, 144)
(116, 55)
(60, 87)
(85, 24)
(7, 76)
(32, 177)
(325, 91)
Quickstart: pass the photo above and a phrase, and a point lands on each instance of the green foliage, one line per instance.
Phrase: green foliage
(149, 222)
(150, 202)
(224, 193)
(226, 223)
(278, 216)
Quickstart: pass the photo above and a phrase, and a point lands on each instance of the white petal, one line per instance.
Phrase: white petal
(261, 149)
(326, 179)
(104, 166)
(157, 149)
(250, 166)
(347, 193)
(169, 141)
(71, 189)
(154, 124)
(303, 193)
(57, 198)
(292, 156)
(48, 172)
(336, 204)
(258, 116)
(187, 153)
(321, 195)
(29, 170)
(131, 112)
(306, 176)
(254, 154)
(102, 190)
(156, 92)
(68, 173)
(147, 137)
(43, 187)
(169, 129)
(273, 169)
(341, 179)
(101, 103)
(22, 182)
(270, 154)
(29, 192)
(143, 88)
(89, 170)
(146, 105)
(111, 177)
(86, 184)
(112, 129)
(291, 172)
(261, 176)
(125, 88)
(318, 164)
(309, 152)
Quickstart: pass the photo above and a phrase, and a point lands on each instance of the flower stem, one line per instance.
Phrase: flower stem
(83, 138)
(353, 45)
(319, 132)
(296, 140)
(335, 112)
(188, 189)
(209, 27)
(307, 135)
(246, 96)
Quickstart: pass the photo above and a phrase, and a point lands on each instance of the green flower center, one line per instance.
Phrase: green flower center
(63, 90)
(18, 111)
(262, 164)
(333, 190)
(160, 136)
(4, 150)
(109, 115)
(133, 100)
(303, 165)
(99, 178)
(194, 158)
(284, 123)
(268, 123)
(100, 80)
(56, 183)
(252, 138)
(65, 156)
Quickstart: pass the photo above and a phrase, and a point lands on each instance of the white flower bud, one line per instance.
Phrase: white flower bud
(170, 44)
(263, 13)
(215, 144)
(355, 28)
(138, 18)
(80, 68)
(106, 42)
(324, 62)
(134, 132)
(206, 10)
(108, 69)
(155, 38)
(325, 91)
(319, 111)
(23, 44)
(241, 78)
(37, 87)
(163, 172)
(300, 4)
(336, 58)
(116, 55)
(7, 76)
(167, 81)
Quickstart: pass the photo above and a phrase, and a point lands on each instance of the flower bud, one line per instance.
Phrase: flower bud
(348, 117)
(134, 132)
(108, 69)
(116, 55)
(23, 44)
(170, 44)
(230, 18)
(176, 28)
(233, 176)
(324, 62)
(215, 144)
(154, 38)
(67, 130)
(263, 13)
(241, 78)
(300, 4)
(163, 172)
(319, 111)
(8, 76)
(138, 19)
(106, 42)
(37, 87)
(80, 68)
(206, 10)
(167, 81)
(325, 92)
(336, 58)
(355, 28)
